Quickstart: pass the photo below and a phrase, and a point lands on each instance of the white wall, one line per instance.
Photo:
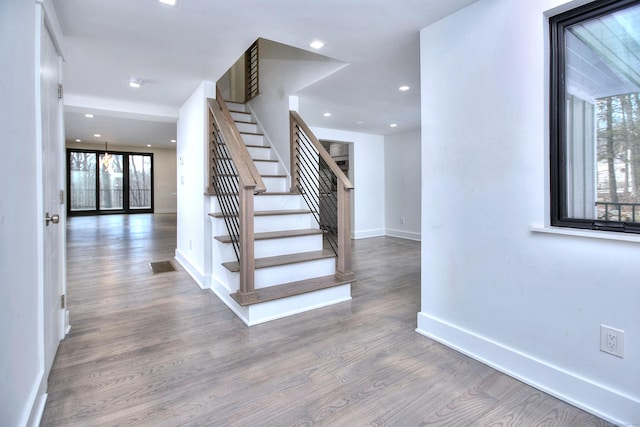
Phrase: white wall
(528, 303)
(366, 172)
(194, 228)
(21, 363)
(402, 184)
(164, 172)
(283, 71)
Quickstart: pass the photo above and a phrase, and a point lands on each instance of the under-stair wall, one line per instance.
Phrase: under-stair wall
(193, 250)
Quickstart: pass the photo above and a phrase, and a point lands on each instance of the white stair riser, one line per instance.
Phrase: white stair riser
(219, 228)
(259, 153)
(278, 203)
(230, 280)
(235, 106)
(253, 139)
(267, 203)
(267, 168)
(283, 222)
(277, 309)
(247, 127)
(275, 185)
(274, 247)
(242, 117)
(224, 252)
(263, 224)
(286, 246)
(271, 276)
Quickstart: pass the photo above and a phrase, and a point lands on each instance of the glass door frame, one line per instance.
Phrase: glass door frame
(126, 208)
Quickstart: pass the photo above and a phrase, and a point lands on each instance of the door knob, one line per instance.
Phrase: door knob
(53, 218)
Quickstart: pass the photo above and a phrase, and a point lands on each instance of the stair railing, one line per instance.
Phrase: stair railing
(234, 180)
(251, 72)
(313, 175)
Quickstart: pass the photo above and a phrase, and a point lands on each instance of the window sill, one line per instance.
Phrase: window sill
(592, 234)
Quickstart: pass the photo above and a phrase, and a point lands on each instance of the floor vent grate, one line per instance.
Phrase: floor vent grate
(161, 267)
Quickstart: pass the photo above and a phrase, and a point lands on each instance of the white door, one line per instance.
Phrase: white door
(53, 200)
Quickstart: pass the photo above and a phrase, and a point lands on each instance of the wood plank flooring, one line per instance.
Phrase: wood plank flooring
(156, 350)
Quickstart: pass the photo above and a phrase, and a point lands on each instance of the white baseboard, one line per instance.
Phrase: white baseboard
(200, 278)
(409, 235)
(165, 211)
(34, 409)
(364, 234)
(67, 325)
(594, 398)
(38, 410)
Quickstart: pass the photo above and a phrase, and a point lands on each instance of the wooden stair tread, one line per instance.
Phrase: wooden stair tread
(266, 175)
(276, 234)
(285, 290)
(251, 133)
(266, 193)
(269, 213)
(234, 266)
(247, 123)
(258, 146)
(278, 193)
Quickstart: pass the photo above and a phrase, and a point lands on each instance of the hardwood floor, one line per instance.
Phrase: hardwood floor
(156, 350)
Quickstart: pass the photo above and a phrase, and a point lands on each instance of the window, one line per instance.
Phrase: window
(595, 116)
(108, 182)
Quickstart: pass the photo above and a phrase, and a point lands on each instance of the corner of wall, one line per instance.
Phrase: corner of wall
(193, 228)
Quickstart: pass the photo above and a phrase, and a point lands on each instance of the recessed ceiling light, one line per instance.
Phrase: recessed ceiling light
(393, 125)
(317, 44)
(97, 135)
(148, 145)
(89, 116)
(173, 140)
(327, 114)
(404, 88)
(359, 122)
(78, 140)
(135, 82)
(169, 2)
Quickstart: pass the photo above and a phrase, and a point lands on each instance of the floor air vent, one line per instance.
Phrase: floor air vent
(161, 267)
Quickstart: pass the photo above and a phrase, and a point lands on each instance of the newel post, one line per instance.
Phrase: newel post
(343, 267)
(246, 293)
(293, 138)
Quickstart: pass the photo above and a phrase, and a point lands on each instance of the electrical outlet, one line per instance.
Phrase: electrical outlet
(612, 341)
(403, 220)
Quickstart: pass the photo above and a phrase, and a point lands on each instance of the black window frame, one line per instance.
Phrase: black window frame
(558, 117)
(126, 208)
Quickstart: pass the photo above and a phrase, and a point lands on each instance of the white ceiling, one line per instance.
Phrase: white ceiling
(175, 48)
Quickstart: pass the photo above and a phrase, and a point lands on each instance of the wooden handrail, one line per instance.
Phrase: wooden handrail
(344, 187)
(246, 168)
(295, 119)
(249, 183)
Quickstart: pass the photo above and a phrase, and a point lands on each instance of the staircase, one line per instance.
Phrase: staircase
(293, 270)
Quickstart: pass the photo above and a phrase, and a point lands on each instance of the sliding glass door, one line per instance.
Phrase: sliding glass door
(81, 178)
(106, 182)
(111, 182)
(140, 181)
